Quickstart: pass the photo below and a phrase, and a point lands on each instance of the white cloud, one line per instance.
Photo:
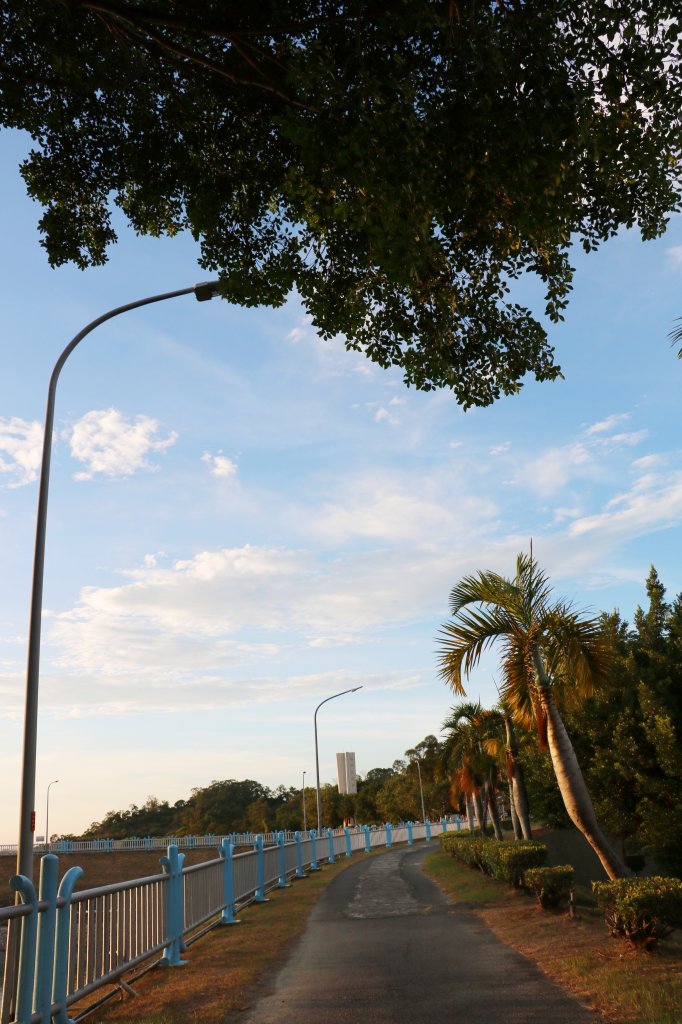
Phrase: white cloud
(21, 444)
(653, 503)
(329, 355)
(394, 509)
(500, 449)
(674, 255)
(549, 472)
(220, 465)
(109, 444)
(382, 413)
(605, 425)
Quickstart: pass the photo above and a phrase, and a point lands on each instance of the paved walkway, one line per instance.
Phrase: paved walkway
(384, 947)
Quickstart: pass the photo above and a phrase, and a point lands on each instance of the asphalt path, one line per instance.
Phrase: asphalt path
(383, 946)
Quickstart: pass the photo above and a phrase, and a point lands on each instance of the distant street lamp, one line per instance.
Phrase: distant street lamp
(305, 817)
(421, 788)
(47, 814)
(202, 292)
(317, 759)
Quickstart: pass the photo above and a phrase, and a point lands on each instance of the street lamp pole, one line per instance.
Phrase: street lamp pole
(305, 817)
(317, 758)
(47, 814)
(202, 292)
(421, 788)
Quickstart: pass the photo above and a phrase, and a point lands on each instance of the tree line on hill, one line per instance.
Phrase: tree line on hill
(627, 736)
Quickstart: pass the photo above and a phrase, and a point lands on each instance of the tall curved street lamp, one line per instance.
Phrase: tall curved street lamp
(317, 759)
(202, 292)
(47, 813)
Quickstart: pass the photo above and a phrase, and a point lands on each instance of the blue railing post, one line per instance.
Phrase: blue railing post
(330, 837)
(444, 825)
(313, 850)
(458, 823)
(299, 855)
(389, 835)
(260, 871)
(172, 866)
(427, 825)
(409, 833)
(27, 948)
(61, 956)
(229, 910)
(282, 884)
(47, 921)
(349, 850)
(148, 842)
(368, 845)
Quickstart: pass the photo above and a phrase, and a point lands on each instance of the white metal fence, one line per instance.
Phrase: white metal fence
(145, 843)
(63, 945)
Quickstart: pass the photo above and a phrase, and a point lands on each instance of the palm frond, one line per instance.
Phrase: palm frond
(676, 337)
(577, 650)
(518, 688)
(463, 713)
(463, 641)
(533, 586)
(484, 588)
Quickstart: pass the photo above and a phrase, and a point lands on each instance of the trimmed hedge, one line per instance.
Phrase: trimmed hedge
(505, 861)
(550, 885)
(640, 910)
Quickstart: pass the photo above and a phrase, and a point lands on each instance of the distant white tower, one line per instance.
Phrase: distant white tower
(345, 769)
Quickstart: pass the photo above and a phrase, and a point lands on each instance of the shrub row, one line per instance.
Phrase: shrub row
(640, 910)
(506, 861)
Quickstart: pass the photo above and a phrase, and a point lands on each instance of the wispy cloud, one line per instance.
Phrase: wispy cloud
(674, 256)
(109, 444)
(21, 444)
(220, 465)
(607, 424)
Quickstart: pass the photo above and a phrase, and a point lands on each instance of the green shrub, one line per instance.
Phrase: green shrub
(550, 885)
(446, 839)
(505, 861)
(640, 910)
(509, 861)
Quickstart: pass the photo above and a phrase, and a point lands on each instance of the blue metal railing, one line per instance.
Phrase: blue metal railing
(71, 943)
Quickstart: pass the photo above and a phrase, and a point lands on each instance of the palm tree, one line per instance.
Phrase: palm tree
(549, 651)
(472, 768)
(499, 740)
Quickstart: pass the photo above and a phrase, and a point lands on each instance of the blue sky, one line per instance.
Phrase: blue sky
(245, 519)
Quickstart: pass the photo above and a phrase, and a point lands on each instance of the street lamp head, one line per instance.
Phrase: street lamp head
(355, 689)
(205, 290)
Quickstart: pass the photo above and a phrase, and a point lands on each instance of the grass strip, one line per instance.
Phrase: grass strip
(226, 966)
(624, 985)
(461, 883)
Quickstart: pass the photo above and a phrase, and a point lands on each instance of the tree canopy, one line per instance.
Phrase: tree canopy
(399, 165)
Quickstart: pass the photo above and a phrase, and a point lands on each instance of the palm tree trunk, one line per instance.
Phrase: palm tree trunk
(491, 801)
(574, 792)
(517, 780)
(518, 834)
(478, 809)
(470, 813)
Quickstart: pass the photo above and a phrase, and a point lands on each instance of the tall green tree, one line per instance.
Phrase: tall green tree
(549, 651)
(631, 732)
(400, 165)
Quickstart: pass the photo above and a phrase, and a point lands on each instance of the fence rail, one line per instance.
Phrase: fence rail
(146, 843)
(71, 943)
